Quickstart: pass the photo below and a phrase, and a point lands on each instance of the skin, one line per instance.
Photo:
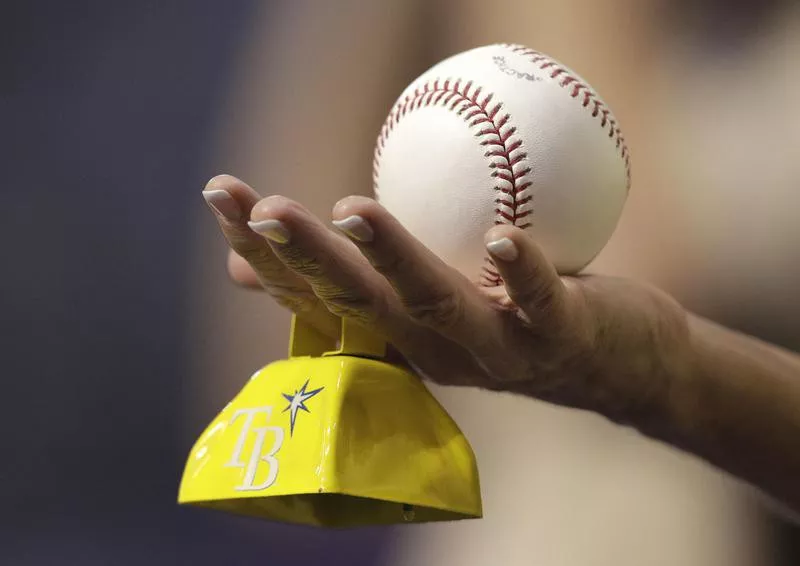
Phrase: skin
(613, 346)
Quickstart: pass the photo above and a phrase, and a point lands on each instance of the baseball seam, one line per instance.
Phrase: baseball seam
(583, 93)
(507, 157)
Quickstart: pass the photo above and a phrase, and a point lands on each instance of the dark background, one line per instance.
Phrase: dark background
(107, 110)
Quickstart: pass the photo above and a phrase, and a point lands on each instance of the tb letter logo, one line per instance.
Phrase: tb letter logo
(258, 457)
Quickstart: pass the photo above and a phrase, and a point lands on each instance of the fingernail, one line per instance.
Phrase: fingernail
(271, 229)
(223, 204)
(355, 227)
(503, 248)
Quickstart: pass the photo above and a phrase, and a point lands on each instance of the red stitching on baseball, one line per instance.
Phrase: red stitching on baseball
(514, 145)
(505, 153)
(489, 275)
(589, 97)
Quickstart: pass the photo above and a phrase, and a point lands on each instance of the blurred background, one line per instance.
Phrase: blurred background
(122, 336)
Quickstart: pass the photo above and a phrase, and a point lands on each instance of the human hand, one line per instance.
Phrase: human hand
(598, 343)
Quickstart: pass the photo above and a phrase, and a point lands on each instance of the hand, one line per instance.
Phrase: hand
(591, 342)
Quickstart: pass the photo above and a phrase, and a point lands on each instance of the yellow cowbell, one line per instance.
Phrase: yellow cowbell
(334, 437)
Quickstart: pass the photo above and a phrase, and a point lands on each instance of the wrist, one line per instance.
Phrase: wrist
(647, 380)
(687, 411)
(674, 411)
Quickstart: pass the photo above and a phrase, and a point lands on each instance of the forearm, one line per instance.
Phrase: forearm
(738, 407)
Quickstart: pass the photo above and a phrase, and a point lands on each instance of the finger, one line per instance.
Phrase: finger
(432, 293)
(316, 314)
(531, 281)
(329, 264)
(242, 272)
(232, 202)
(347, 284)
(344, 281)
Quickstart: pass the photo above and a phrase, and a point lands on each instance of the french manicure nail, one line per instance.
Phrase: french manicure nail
(223, 204)
(355, 227)
(503, 248)
(271, 229)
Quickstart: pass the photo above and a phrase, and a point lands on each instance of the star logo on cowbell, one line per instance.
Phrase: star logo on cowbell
(297, 402)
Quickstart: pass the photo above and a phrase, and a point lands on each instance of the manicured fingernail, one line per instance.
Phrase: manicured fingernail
(271, 229)
(223, 204)
(355, 227)
(503, 248)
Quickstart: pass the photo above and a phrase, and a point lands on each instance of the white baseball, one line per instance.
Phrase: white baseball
(503, 134)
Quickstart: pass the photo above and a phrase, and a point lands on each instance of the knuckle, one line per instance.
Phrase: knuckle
(541, 299)
(268, 268)
(248, 248)
(346, 304)
(295, 300)
(440, 311)
(259, 256)
(305, 264)
(264, 264)
(394, 263)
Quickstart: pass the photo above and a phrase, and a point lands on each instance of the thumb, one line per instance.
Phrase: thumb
(531, 280)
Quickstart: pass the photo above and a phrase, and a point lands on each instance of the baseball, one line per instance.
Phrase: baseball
(503, 134)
